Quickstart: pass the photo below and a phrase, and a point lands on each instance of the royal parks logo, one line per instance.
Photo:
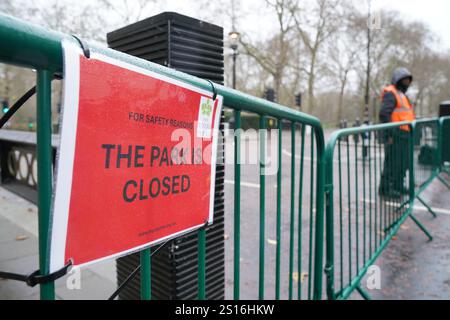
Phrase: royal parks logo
(206, 107)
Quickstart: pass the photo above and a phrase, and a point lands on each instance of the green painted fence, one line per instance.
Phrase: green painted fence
(36, 48)
(444, 136)
(365, 180)
(374, 174)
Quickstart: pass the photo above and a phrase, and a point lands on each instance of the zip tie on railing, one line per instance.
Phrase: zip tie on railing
(36, 278)
(213, 89)
(84, 47)
(21, 102)
(328, 269)
(17, 106)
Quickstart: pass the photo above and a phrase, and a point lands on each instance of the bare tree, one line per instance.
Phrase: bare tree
(315, 26)
(273, 58)
(341, 61)
(128, 11)
(401, 43)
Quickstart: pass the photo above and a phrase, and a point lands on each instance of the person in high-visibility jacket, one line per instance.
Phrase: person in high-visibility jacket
(396, 107)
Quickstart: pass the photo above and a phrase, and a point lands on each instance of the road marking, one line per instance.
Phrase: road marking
(287, 153)
(248, 184)
(437, 210)
(244, 184)
(416, 207)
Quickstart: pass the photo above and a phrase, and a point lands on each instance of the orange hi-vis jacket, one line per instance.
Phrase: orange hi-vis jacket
(403, 110)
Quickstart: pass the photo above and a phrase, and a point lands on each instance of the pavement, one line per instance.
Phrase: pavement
(19, 254)
(411, 266)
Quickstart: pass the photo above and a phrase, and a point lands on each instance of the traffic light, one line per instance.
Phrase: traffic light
(269, 95)
(298, 100)
(5, 106)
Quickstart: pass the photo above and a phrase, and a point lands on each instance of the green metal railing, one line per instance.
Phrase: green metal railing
(444, 160)
(33, 47)
(294, 273)
(367, 199)
(374, 174)
(367, 178)
(427, 154)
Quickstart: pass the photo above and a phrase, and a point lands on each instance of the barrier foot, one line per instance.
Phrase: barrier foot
(386, 230)
(445, 170)
(427, 206)
(389, 228)
(397, 210)
(444, 182)
(417, 222)
(363, 293)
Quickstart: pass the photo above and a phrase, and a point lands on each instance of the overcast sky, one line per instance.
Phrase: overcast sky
(256, 20)
(436, 13)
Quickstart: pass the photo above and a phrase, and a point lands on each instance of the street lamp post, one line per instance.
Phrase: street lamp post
(233, 37)
(366, 97)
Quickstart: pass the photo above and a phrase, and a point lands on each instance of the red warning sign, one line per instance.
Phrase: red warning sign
(136, 165)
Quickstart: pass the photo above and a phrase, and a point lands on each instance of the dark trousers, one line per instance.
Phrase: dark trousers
(396, 162)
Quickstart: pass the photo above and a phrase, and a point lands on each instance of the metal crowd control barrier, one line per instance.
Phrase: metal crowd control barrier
(444, 135)
(369, 194)
(34, 47)
(304, 220)
(427, 151)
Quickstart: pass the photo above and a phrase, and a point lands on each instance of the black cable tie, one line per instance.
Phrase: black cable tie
(35, 277)
(213, 90)
(84, 46)
(19, 103)
(328, 270)
(16, 106)
(58, 76)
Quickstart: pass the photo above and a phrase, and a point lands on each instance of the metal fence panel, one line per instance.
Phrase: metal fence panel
(35, 47)
(369, 194)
